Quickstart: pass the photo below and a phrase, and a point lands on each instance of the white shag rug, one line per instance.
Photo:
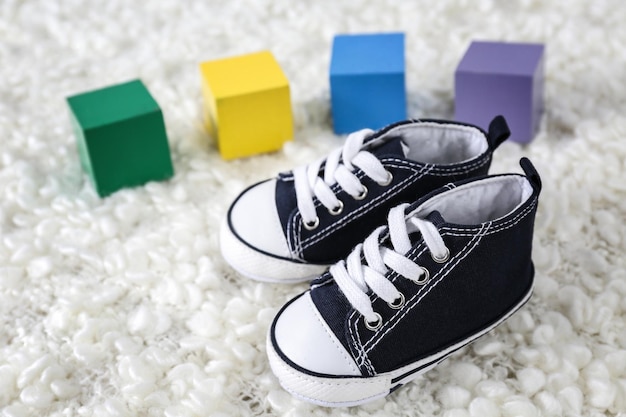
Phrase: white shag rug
(124, 307)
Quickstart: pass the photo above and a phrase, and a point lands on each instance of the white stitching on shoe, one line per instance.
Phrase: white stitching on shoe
(396, 318)
(447, 231)
(314, 181)
(449, 266)
(331, 335)
(300, 245)
(311, 240)
(297, 246)
(487, 231)
(361, 359)
(499, 225)
(330, 229)
(353, 276)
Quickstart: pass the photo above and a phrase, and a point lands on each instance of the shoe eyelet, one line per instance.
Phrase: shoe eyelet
(424, 279)
(337, 210)
(361, 195)
(312, 225)
(442, 259)
(388, 180)
(373, 326)
(398, 303)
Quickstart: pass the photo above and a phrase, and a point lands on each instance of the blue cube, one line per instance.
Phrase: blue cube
(367, 81)
(501, 78)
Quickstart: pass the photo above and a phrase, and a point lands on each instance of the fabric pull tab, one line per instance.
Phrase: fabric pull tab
(531, 173)
(285, 176)
(498, 132)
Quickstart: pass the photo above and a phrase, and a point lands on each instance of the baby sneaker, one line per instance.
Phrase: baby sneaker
(291, 228)
(444, 271)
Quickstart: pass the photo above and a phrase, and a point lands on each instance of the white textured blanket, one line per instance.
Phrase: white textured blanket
(123, 306)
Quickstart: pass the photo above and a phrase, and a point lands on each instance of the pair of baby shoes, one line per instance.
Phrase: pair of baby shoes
(413, 249)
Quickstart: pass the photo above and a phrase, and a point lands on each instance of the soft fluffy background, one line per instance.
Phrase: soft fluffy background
(123, 306)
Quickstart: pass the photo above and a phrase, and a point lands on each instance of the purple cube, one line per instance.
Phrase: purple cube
(501, 78)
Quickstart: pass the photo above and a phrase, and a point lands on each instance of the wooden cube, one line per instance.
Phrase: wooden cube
(121, 136)
(367, 81)
(248, 104)
(501, 78)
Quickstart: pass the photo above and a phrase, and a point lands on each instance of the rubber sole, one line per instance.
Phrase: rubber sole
(337, 391)
(261, 267)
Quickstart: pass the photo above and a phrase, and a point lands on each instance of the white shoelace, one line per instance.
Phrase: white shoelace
(338, 168)
(355, 275)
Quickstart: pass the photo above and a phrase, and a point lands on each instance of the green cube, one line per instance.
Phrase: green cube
(121, 136)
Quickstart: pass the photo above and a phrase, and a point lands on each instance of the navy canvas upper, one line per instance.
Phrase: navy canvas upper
(489, 272)
(411, 180)
(292, 227)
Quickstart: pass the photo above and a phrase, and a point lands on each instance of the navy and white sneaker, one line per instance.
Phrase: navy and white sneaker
(291, 228)
(444, 271)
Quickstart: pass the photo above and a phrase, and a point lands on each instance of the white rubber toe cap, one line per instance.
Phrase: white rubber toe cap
(304, 338)
(254, 219)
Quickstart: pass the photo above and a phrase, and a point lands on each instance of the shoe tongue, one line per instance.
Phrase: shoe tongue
(435, 218)
(394, 146)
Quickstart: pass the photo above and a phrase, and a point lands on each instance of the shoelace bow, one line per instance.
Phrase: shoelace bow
(338, 168)
(368, 263)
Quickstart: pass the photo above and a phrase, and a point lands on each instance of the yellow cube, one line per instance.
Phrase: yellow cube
(248, 104)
